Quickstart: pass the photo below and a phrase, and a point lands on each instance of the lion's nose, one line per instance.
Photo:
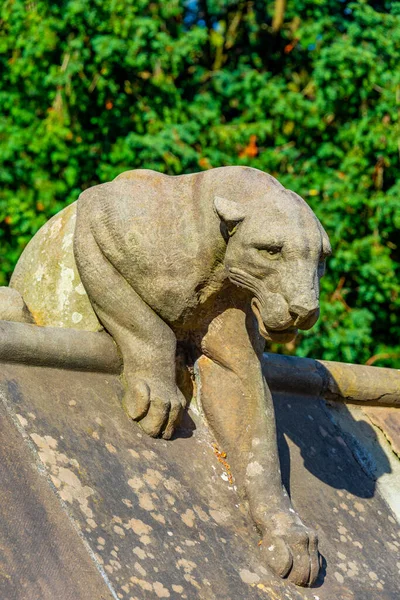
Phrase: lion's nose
(302, 313)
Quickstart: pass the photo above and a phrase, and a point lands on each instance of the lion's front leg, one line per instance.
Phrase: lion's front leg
(239, 409)
(147, 344)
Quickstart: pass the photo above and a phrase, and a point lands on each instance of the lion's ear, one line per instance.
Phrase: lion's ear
(232, 213)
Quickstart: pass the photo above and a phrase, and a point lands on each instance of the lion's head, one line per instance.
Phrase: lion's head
(276, 250)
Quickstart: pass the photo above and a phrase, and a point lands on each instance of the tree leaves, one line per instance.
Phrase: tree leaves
(90, 89)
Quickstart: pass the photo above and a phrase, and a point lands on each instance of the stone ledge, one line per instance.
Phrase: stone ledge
(71, 349)
(88, 351)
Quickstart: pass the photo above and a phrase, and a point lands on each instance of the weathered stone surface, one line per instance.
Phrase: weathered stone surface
(48, 280)
(388, 420)
(41, 555)
(162, 517)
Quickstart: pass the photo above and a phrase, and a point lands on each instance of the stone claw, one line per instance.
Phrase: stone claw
(156, 408)
(291, 550)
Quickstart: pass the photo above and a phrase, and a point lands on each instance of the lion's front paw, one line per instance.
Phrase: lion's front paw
(291, 549)
(155, 406)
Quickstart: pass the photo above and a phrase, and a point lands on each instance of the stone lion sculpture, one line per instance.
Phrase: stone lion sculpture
(204, 266)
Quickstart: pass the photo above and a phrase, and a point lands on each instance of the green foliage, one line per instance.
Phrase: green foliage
(92, 88)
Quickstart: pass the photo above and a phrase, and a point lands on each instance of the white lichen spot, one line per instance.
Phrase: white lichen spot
(160, 590)
(67, 241)
(173, 486)
(92, 523)
(152, 478)
(170, 499)
(68, 484)
(55, 227)
(64, 286)
(145, 501)
(190, 579)
(187, 565)
(101, 541)
(145, 585)
(76, 317)
(248, 577)
(149, 455)
(255, 442)
(111, 448)
(339, 577)
(133, 453)
(219, 516)
(188, 517)
(127, 502)
(358, 506)
(140, 553)
(158, 517)
(203, 516)
(254, 469)
(119, 530)
(80, 289)
(39, 273)
(138, 527)
(22, 420)
(177, 588)
(392, 547)
(56, 481)
(140, 569)
(136, 483)
(145, 540)
(373, 576)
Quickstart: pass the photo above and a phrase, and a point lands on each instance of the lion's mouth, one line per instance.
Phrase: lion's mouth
(272, 335)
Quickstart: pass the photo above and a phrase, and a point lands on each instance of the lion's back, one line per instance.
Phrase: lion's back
(47, 277)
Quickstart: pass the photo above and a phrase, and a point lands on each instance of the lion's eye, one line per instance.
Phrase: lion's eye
(270, 252)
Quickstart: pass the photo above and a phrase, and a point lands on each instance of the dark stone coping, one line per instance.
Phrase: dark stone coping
(72, 349)
(79, 350)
